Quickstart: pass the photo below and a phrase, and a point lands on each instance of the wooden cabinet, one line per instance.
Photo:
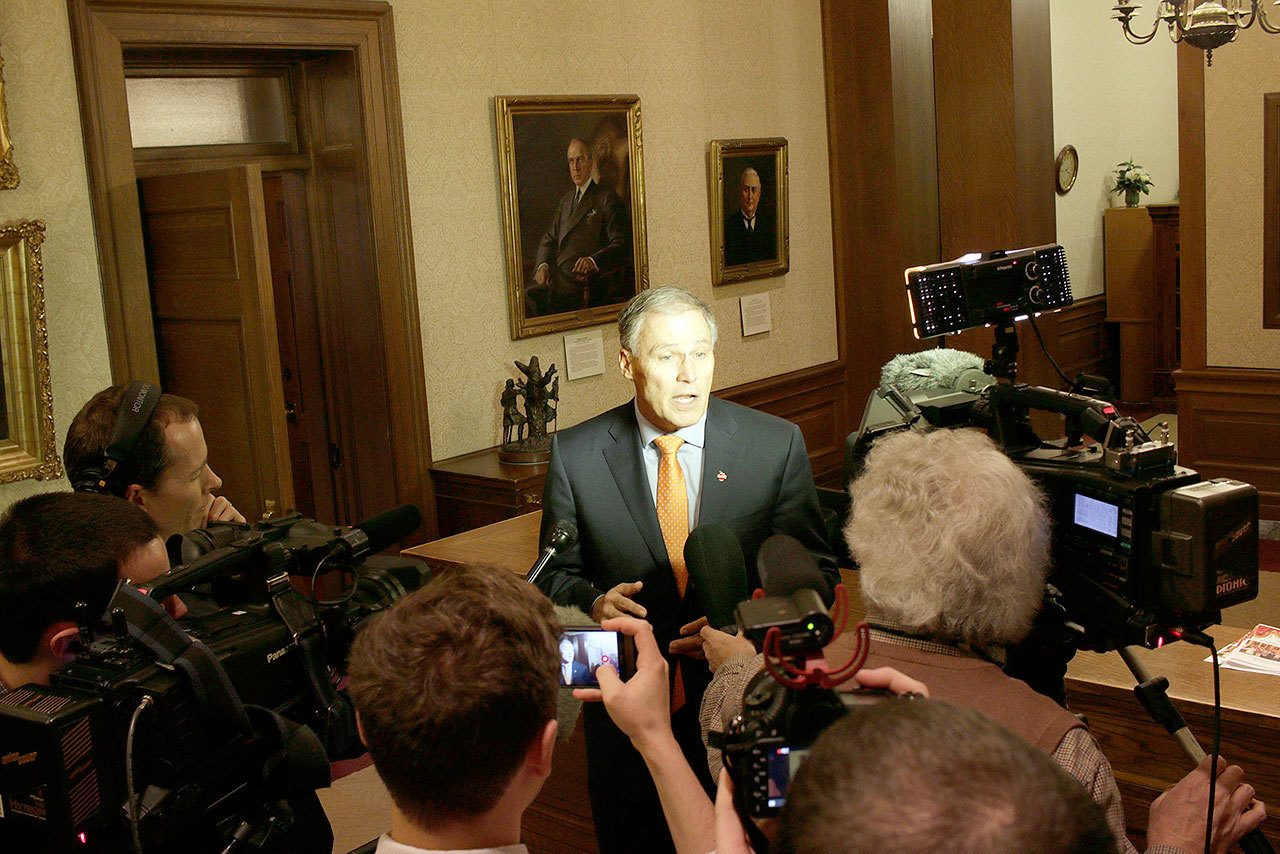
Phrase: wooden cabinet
(1142, 271)
(476, 489)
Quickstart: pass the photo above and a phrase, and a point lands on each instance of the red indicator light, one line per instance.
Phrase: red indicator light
(1159, 641)
(1108, 410)
(84, 840)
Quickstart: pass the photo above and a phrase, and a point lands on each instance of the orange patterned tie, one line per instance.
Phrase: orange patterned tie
(673, 519)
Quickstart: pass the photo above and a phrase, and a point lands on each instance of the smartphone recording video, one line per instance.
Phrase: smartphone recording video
(582, 650)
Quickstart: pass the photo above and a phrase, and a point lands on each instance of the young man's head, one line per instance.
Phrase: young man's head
(168, 474)
(456, 689)
(921, 775)
(56, 550)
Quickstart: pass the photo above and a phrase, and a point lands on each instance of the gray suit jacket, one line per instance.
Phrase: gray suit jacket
(597, 480)
(596, 228)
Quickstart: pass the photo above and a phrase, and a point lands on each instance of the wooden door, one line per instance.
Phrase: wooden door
(207, 255)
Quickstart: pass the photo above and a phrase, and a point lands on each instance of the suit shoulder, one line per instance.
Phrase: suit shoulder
(754, 420)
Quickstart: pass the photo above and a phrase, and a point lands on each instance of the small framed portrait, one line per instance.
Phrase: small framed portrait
(747, 186)
(572, 187)
(8, 171)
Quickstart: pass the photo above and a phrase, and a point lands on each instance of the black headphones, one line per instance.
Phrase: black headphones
(109, 476)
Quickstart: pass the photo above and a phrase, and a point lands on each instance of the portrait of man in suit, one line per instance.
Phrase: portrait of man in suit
(750, 235)
(586, 246)
(635, 480)
(572, 670)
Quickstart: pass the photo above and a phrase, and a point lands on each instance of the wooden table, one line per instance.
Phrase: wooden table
(1146, 760)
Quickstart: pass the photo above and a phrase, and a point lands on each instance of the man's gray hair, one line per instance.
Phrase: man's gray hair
(922, 775)
(951, 537)
(743, 176)
(668, 299)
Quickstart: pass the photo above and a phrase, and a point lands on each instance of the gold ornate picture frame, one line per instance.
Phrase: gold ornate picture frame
(748, 206)
(8, 171)
(573, 259)
(28, 444)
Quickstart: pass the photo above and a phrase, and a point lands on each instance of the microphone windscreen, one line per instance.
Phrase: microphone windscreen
(563, 535)
(718, 571)
(390, 526)
(929, 369)
(786, 566)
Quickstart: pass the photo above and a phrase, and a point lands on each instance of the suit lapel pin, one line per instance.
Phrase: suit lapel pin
(721, 476)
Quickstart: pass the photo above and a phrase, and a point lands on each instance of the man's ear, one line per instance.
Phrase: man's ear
(133, 494)
(360, 729)
(538, 757)
(60, 639)
(624, 362)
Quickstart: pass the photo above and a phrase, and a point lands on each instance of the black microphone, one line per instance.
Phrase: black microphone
(562, 536)
(377, 532)
(786, 566)
(718, 571)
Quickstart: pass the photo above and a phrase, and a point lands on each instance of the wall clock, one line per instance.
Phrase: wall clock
(1065, 169)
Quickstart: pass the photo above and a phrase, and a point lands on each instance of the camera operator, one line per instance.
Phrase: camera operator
(167, 474)
(56, 550)
(640, 707)
(456, 692)
(952, 540)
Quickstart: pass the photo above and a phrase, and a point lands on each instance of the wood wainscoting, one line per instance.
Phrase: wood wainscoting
(1229, 426)
(813, 398)
(1082, 337)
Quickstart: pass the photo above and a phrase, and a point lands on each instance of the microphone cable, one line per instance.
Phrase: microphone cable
(143, 705)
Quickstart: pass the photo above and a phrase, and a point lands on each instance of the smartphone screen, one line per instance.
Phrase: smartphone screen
(582, 650)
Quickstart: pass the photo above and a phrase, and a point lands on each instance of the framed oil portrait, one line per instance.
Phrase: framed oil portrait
(8, 172)
(747, 189)
(571, 177)
(28, 446)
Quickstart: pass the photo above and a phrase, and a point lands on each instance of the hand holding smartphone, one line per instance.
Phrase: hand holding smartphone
(584, 648)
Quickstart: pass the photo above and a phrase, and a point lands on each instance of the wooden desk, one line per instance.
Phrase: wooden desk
(1146, 760)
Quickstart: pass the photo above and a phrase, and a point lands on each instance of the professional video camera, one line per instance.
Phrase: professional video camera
(1143, 549)
(200, 736)
(786, 706)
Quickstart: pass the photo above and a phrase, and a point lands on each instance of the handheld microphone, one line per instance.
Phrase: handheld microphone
(718, 571)
(377, 532)
(562, 536)
(786, 566)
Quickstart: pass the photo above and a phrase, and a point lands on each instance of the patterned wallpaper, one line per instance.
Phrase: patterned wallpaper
(703, 71)
(737, 68)
(44, 122)
(1233, 88)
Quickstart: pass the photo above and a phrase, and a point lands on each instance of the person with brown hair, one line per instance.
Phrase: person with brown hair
(167, 474)
(58, 549)
(455, 688)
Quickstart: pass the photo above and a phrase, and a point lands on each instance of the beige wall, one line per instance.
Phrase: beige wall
(1113, 101)
(744, 68)
(698, 78)
(44, 122)
(1233, 88)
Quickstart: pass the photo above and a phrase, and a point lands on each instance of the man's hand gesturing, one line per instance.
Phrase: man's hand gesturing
(618, 603)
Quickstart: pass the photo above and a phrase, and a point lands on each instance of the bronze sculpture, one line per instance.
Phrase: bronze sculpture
(541, 393)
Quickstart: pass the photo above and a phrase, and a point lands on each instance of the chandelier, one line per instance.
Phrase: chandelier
(1206, 24)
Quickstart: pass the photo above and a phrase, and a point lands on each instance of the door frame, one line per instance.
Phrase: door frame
(102, 30)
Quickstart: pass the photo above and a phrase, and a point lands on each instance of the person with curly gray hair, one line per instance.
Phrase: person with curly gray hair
(952, 542)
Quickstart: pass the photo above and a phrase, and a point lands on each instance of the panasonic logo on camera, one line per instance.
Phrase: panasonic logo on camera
(277, 655)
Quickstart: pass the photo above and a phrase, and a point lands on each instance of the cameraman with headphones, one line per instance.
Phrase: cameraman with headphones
(146, 447)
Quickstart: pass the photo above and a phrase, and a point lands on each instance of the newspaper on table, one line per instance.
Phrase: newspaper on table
(1256, 652)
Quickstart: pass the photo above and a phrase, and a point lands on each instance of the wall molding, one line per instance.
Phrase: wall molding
(1229, 426)
(815, 400)
(1082, 336)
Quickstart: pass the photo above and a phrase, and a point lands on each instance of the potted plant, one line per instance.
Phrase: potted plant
(1132, 179)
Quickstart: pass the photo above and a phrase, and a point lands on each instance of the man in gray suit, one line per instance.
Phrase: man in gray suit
(738, 467)
(582, 259)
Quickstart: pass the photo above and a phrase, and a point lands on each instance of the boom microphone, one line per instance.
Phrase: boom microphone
(932, 369)
(786, 566)
(562, 536)
(718, 571)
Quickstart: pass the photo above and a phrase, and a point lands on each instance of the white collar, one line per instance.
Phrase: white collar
(695, 434)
